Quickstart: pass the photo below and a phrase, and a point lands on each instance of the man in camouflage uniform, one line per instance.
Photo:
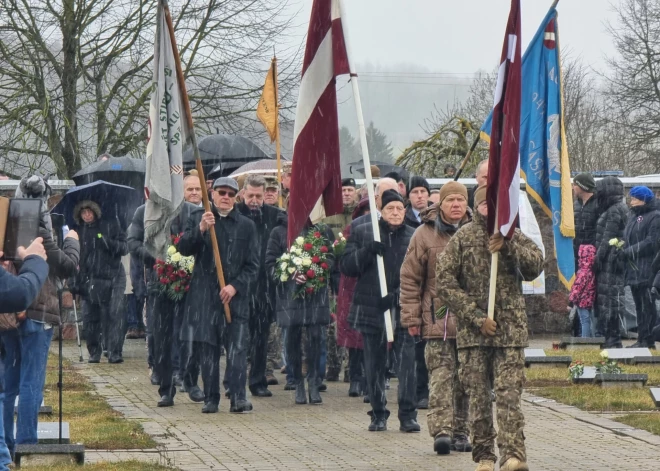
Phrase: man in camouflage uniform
(273, 358)
(486, 347)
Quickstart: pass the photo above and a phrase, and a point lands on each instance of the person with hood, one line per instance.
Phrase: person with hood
(26, 348)
(169, 353)
(101, 281)
(641, 242)
(347, 337)
(583, 291)
(262, 300)
(422, 314)
(610, 266)
(368, 307)
(419, 192)
(490, 348)
(311, 312)
(204, 325)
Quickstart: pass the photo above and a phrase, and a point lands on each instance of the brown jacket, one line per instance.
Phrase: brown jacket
(418, 299)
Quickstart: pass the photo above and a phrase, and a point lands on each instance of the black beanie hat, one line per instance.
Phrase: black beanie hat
(417, 182)
(389, 196)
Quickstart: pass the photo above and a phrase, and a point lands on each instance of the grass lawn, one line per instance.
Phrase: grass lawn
(92, 421)
(121, 466)
(553, 383)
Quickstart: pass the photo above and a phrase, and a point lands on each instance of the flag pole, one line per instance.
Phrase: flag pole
(277, 135)
(369, 180)
(467, 156)
(198, 159)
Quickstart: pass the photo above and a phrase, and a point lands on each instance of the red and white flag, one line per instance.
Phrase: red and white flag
(315, 170)
(504, 157)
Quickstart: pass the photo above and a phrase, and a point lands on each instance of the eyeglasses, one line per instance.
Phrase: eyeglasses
(231, 194)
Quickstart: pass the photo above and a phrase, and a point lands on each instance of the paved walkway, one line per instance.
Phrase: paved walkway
(280, 435)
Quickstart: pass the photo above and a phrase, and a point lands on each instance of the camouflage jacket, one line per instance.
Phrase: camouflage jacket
(463, 273)
(338, 222)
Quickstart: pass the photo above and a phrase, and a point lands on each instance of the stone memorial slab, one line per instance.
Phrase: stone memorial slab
(49, 455)
(45, 410)
(655, 395)
(548, 362)
(48, 433)
(621, 380)
(654, 360)
(534, 352)
(587, 376)
(627, 354)
(580, 343)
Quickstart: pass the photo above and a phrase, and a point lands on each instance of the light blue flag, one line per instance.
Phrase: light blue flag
(543, 151)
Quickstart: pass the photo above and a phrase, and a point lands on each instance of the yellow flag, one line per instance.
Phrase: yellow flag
(267, 108)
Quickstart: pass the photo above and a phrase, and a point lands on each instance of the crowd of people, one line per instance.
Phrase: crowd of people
(449, 357)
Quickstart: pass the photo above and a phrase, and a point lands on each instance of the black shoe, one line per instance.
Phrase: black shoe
(195, 394)
(366, 399)
(166, 401)
(240, 406)
(301, 396)
(461, 443)
(182, 388)
(442, 444)
(638, 344)
(176, 379)
(611, 344)
(261, 392)
(155, 378)
(290, 386)
(423, 403)
(209, 408)
(650, 346)
(323, 387)
(115, 360)
(94, 359)
(314, 392)
(354, 389)
(332, 376)
(409, 426)
(271, 380)
(378, 424)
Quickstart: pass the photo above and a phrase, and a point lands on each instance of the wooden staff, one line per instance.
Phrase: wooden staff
(198, 159)
(467, 157)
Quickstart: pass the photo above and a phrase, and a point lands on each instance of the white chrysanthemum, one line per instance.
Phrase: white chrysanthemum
(171, 250)
(283, 266)
(604, 354)
(340, 235)
(297, 261)
(284, 278)
(286, 256)
(291, 270)
(176, 257)
(306, 262)
(300, 240)
(614, 241)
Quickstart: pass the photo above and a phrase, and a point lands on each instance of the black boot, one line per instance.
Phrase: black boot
(461, 443)
(354, 389)
(240, 405)
(301, 396)
(314, 393)
(442, 444)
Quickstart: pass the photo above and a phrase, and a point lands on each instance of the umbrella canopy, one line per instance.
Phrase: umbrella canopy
(227, 152)
(116, 201)
(258, 167)
(119, 170)
(384, 167)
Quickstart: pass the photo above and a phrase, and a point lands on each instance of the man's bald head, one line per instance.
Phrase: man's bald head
(481, 173)
(192, 190)
(382, 186)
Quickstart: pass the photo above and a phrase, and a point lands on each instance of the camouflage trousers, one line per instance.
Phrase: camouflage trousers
(335, 353)
(274, 356)
(507, 367)
(448, 402)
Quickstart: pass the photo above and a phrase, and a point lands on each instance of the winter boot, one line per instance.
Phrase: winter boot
(442, 444)
(354, 389)
(301, 396)
(409, 426)
(240, 405)
(514, 464)
(132, 333)
(378, 424)
(314, 393)
(486, 465)
(461, 443)
(271, 380)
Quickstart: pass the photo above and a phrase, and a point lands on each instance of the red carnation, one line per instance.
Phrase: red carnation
(182, 273)
(186, 288)
(308, 246)
(160, 270)
(316, 259)
(321, 279)
(324, 266)
(173, 277)
(324, 249)
(310, 274)
(177, 288)
(176, 240)
(309, 290)
(164, 280)
(317, 235)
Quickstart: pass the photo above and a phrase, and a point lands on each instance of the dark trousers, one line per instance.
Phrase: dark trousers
(105, 318)
(355, 364)
(166, 342)
(237, 336)
(134, 306)
(646, 313)
(208, 357)
(151, 301)
(422, 386)
(293, 346)
(375, 365)
(259, 332)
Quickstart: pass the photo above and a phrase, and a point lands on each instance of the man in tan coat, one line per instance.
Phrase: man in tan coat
(422, 312)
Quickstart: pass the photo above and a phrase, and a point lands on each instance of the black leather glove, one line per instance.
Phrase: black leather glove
(376, 248)
(386, 302)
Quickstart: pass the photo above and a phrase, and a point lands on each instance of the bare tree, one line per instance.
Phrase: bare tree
(75, 75)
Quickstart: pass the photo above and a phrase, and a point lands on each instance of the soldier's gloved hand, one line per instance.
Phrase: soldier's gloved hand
(386, 302)
(377, 248)
(488, 327)
(495, 243)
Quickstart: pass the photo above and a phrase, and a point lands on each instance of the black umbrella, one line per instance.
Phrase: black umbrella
(225, 152)
(119, 170)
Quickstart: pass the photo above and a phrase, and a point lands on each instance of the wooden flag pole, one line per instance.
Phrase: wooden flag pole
(280, 201)
(467, 156)
(492, 287)
(198, 159)
(369, 182)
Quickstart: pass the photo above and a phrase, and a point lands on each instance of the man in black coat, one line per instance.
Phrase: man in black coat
(261, 303)
(204, 324)
(419, 192)
(368, 307)
(168, 352)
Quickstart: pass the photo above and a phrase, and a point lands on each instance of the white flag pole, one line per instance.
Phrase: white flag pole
(367, 174)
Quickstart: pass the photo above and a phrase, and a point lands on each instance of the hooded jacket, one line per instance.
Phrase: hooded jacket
(419, 301)
(642, 240)
(583, 292)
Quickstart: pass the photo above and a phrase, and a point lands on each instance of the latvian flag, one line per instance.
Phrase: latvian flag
(315, 169)
(504, 158)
